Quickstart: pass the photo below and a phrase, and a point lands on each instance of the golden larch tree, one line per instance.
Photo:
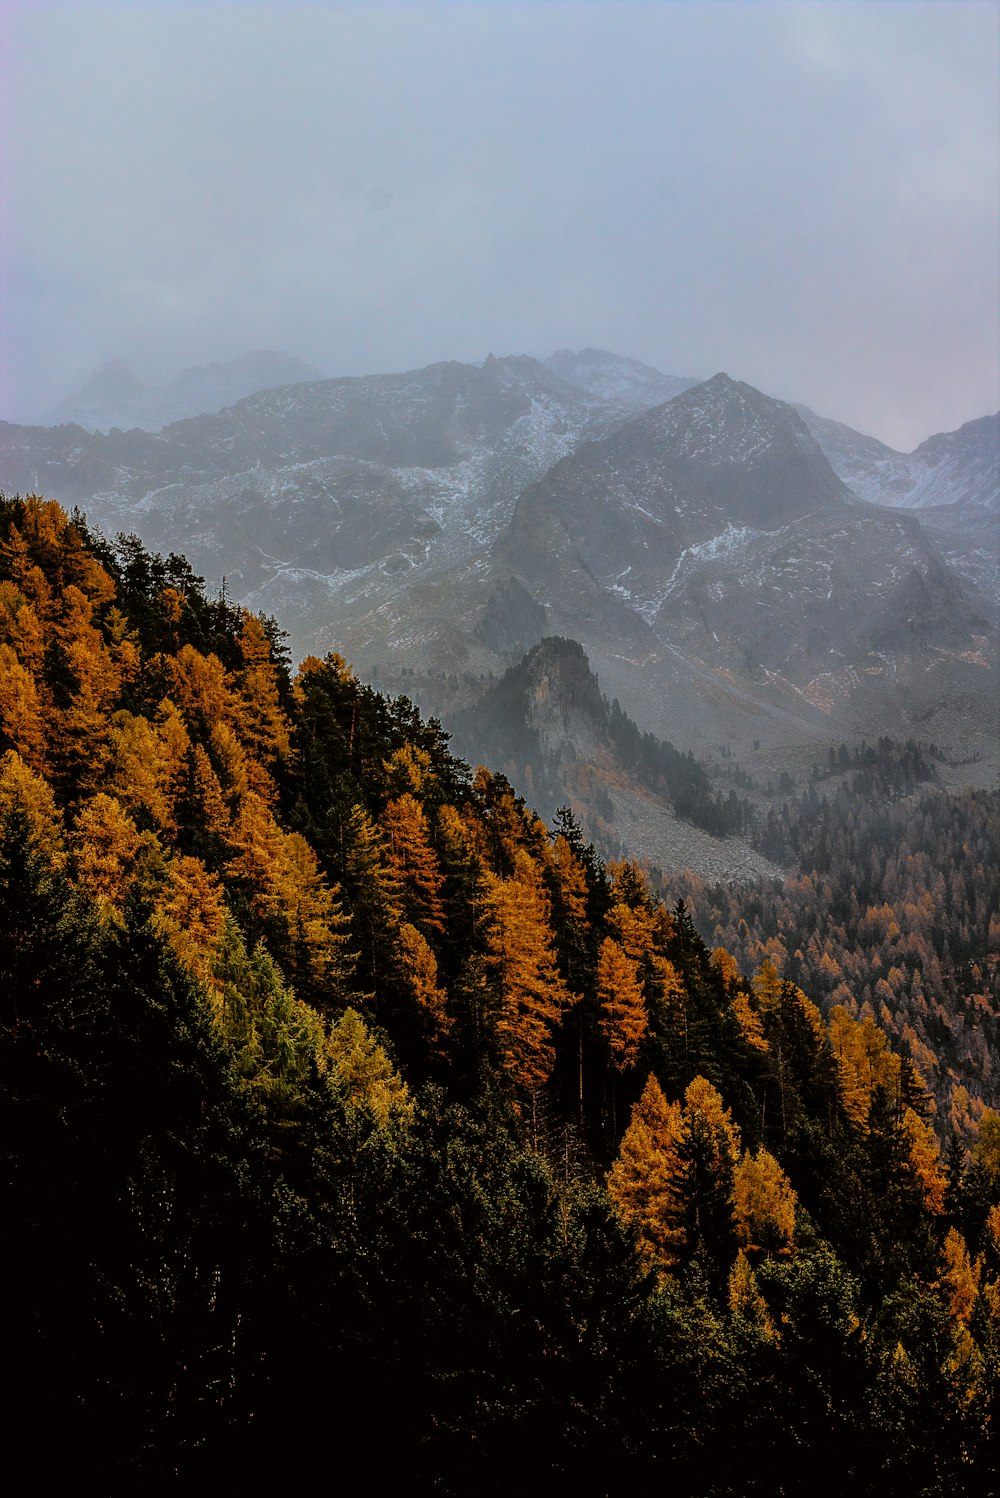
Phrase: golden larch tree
(138, 770)
(642, 1180)
(301, 912)
(106, 843)
(191, 913)
(745, 1300)
(622, 1008)
(864, 1061)
(530, 996)
(412, 858)
(363, 1069)
(259, 716)
(419, 971)
(24, 792)
(21, 725)
(765, 1205)
(925, 1160)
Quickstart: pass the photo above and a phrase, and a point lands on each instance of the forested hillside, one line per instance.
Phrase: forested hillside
(893, 914)
(356, 1120)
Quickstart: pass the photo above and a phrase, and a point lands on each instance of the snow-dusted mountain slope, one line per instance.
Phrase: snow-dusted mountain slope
(718, 461)
(626, 382)
(952, 481)
(325, 495)
(952, 468)
(721, 575)
(707, 551)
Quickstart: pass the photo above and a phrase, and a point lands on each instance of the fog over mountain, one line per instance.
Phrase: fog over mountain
(801, 194)
(113, 397)
(618, 202)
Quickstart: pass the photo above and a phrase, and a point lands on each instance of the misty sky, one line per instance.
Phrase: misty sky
(803, 195)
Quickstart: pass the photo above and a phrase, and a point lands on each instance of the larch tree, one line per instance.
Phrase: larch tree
(106, 843)
(570, 880)
(278, 874)
(419, 971)
(230, 762)
(173, 760)
(925, 1160)
(747, 1016)
(704, 1184)
(261, 720)
(200, 688)
(765, 1204)
(362, 1067)
(642, 1180)
(622, 1009)
(960, 1277)
(864, 1060)
(138, 770)
(21, 726)
(83, 683)
(190, 912)
(530, 996)
(412, 858)
(27, 795)
(409, 772)
(746, 1303)
(20, 627)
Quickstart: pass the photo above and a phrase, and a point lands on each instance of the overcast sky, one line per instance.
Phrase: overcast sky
(803, 195)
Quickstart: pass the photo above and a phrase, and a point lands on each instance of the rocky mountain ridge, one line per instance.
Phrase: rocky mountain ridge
(743, 568)
(725, 581)
(625, 382)
(951, 481)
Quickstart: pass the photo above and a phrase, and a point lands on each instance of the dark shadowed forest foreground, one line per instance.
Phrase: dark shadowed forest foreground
(355, 1120)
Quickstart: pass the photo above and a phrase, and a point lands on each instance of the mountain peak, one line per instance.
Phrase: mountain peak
(723, 422)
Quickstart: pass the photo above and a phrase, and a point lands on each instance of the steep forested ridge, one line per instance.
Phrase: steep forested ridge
(353, 1118)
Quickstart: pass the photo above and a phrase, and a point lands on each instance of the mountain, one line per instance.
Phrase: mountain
(547, 725)
(952, 481)
(322, 502)
(727, 584)
(953, 478)
(630, 510)
(952, 468)
(624, 382)
(113, 397)
(717, 569)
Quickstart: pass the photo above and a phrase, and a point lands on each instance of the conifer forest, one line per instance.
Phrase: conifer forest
(357, 1120)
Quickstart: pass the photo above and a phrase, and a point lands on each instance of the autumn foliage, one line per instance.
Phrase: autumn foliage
(390, 1104)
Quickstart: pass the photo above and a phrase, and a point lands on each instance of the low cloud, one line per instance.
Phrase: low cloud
(803, 195)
